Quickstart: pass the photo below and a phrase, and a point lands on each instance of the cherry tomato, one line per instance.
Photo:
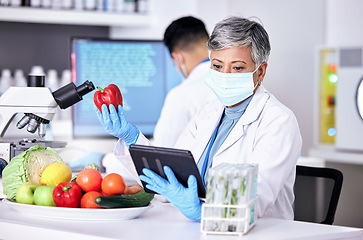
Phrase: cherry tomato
(88, 199)
(113, 183)
(89, 180)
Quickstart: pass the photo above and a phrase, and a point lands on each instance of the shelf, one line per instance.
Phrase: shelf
(73, 17)
(330, 154)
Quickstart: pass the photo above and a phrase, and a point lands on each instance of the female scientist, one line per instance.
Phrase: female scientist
(246, 124)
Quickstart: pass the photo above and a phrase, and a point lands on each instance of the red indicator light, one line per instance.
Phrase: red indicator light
(333, 68)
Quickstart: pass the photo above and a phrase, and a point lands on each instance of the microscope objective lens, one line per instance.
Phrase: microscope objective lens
(24, 121)
(33, 125)
(42, 130)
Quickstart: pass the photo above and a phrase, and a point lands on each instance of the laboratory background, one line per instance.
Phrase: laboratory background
(307, 36)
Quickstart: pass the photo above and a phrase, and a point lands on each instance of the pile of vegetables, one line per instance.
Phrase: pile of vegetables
(110, 191)
(27, 167)
(88, 189)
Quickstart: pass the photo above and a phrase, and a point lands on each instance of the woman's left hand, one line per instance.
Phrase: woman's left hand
(185, 199)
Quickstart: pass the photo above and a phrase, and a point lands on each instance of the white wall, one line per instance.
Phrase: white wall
(165, 11)
(344, 23)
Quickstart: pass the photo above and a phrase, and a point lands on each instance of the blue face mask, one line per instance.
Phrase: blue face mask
(231, 88)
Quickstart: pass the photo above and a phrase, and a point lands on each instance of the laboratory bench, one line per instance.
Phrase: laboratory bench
(160, 221)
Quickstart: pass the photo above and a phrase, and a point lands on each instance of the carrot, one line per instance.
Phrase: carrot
(133, 189)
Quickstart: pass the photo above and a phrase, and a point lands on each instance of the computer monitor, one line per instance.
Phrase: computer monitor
(142, 69)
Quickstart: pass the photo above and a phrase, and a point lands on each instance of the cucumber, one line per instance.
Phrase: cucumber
(140, 199)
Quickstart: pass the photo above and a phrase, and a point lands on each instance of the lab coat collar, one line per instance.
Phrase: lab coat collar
(255, 107)
(251, 114)
(206, 127)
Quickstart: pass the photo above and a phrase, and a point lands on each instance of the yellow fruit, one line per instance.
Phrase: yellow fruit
(56, 173)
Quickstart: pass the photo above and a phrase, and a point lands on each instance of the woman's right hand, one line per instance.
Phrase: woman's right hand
(185, 199)
(115, 123)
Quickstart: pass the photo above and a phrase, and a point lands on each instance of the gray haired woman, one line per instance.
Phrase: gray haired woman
(246, 124)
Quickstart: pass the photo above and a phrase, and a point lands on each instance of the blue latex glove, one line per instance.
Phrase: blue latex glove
(185, 199)
(116, 124)
(86, 158)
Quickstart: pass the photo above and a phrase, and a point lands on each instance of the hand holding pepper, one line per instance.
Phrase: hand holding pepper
(115, 123)
(113, 119)
(109, 95)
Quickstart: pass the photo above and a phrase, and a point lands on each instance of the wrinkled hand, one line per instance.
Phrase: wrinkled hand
(185, 199)
(116, 124)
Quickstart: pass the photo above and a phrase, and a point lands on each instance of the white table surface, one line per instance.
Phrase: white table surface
(162, 221)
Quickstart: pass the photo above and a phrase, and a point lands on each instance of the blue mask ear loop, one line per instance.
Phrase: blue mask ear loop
(256, 68)
(258, 83)
(182, 66)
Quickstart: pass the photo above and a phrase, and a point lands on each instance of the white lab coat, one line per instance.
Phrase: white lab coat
(181, 104)
(267, 134)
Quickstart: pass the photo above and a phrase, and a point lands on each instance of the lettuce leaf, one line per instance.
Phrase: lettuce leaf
(25, 167)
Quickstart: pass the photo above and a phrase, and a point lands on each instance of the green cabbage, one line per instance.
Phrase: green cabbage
(93, 166)
(28, 166)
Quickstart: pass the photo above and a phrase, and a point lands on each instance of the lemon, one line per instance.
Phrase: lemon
(56, 173)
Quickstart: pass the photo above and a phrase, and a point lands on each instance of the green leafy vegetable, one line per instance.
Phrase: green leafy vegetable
(27, 167)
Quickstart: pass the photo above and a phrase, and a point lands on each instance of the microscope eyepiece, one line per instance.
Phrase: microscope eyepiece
(85, 88)
(70, 94)
(36, 81)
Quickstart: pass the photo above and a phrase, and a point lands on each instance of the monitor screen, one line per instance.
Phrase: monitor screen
(143, 70)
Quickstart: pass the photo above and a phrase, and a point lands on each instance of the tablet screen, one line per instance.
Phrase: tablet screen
(155, 158)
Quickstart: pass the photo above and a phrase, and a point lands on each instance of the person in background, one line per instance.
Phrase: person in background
(186, 39)
(247, 124)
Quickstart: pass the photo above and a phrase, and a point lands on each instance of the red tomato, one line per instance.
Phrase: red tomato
(113, 183)
(88, 199)
(89, 180)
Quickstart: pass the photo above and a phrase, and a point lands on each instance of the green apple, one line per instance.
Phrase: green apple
(25, 193)
(43, 195)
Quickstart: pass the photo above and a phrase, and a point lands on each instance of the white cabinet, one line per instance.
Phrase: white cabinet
(73, 17)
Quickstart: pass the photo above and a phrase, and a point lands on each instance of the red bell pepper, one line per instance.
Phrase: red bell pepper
(67, 194)
(109, 95)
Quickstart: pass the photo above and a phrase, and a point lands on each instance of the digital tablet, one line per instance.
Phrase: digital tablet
(155, 158)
